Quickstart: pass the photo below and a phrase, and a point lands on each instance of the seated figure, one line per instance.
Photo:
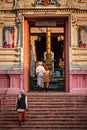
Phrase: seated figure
(52, 58)
(52, 55)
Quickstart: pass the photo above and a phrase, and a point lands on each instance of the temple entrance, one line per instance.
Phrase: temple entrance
(48, 44)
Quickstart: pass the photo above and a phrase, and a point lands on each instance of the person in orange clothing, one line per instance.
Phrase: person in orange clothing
(47, 78)
(22, 106)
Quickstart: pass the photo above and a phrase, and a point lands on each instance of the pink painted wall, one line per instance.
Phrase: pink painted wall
(78, 81)
(11, 81)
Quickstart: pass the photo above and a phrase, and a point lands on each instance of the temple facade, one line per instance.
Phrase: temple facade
(52, 31)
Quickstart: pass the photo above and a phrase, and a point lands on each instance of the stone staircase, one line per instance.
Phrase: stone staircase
(47, 111)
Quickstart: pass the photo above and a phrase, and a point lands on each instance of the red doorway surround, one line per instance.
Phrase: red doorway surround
(26, 55)
(66, 55)
(27, 52)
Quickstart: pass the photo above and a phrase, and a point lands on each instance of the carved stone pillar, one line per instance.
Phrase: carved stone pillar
(74, 31)
(19, 35)
(19, 26)
(1, 36)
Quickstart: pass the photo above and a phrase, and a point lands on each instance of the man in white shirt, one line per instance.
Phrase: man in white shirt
(40, 71)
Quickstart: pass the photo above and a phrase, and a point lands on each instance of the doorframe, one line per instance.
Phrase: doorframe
(67, 54)
(27, 58)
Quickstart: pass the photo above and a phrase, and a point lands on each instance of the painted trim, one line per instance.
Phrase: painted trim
(67, 55)
(26, 55)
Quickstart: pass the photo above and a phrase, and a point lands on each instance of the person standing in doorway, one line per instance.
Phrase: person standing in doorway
(47, 78)
(40, 71)
(21, 106)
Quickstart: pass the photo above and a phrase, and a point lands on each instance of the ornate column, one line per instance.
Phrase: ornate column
(48, 47)
(19, 34)
(19, 29)
(1, 36)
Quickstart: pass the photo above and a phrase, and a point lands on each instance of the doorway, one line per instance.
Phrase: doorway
(59, 47)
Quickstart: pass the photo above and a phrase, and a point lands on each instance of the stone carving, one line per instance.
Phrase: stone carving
(6, 1)
(72, 3)
(24, 4)
(82, 1)
(46, 2)
(74, 20)
(82, 20)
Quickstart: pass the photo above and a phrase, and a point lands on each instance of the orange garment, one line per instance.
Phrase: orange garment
(46, 80)
(47, 76)
(21, 115)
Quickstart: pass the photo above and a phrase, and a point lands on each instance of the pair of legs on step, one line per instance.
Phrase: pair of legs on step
(21, 117)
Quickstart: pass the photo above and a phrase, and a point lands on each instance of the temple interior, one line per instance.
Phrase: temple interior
(57, 46)
(49, 42)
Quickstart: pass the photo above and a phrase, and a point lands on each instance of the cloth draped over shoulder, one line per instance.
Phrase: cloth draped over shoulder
(40, 70)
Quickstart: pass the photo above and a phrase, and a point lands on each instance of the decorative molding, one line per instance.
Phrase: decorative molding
(82, 1)
(84, 18)
(45, 3)
(1, 21)
(79, 5)
(9, 1)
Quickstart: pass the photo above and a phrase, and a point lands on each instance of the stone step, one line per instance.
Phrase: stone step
(55, 126)
(49, 94)
(53, 98)
(47, 123)
(50, 108)
(47, 102)
(51, 111)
